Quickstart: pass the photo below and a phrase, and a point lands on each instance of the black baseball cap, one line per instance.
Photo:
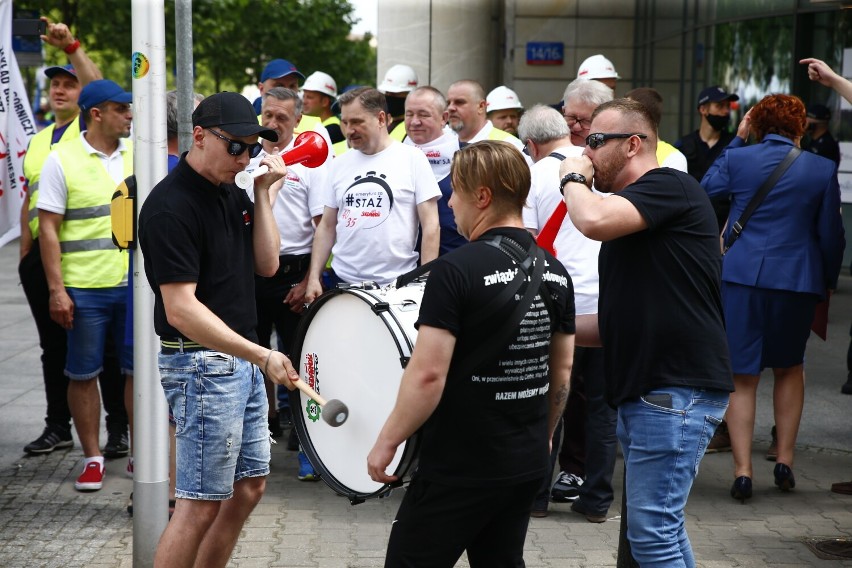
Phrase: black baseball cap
(233, 113)
(715, 94)
(819, 112)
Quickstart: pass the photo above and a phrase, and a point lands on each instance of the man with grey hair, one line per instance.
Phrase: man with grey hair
(425, 117)
(580, 100)
(548, 142)
(297, 205)
(378, 194)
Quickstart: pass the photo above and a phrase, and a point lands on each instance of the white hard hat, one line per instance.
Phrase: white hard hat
(597, 67)
(322, 83)
(502, 98)
(399, 79)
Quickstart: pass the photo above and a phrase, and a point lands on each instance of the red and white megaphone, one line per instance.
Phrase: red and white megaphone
(310, 149)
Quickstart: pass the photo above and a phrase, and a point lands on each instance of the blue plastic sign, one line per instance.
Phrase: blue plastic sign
(545, 52)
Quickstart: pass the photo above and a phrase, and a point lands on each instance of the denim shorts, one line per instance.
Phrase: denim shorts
(221, 429)
(97, 311)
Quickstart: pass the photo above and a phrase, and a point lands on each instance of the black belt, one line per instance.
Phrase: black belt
(293, 263)
(171, 345)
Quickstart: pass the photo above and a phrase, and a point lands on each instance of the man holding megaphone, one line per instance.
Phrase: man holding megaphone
(297, 205)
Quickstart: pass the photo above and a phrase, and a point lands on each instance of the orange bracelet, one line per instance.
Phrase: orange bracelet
(72, 47)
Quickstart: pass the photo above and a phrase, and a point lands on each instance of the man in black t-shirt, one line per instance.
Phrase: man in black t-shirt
(487, 380)
(203, 240)
(660, 318)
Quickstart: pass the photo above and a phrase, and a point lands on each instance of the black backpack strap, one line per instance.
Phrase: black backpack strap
(556, 155)
(757, 199)
(496, 343)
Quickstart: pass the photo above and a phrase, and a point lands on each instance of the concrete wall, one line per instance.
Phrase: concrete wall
(586, 27)
(443, 40)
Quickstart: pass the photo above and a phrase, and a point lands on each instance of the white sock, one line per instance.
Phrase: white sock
(99, 459)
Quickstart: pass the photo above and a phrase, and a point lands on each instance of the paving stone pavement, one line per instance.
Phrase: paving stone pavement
(44, 522)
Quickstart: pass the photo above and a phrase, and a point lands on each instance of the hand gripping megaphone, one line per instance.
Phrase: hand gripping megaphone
(310, 149)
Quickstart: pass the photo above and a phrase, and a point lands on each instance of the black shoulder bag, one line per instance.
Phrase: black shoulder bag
(764, 189)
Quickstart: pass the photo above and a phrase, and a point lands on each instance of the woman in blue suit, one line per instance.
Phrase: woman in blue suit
(786, 260)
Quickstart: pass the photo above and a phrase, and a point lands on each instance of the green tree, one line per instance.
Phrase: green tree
(232, 39)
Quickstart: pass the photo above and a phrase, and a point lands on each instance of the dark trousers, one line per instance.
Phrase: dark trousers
(272, 311)
(598, 441)
(53, 340)
(572, 452)
(596, 494)
(436, 523)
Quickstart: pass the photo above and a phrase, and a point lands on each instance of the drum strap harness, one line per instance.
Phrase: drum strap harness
(532, 258)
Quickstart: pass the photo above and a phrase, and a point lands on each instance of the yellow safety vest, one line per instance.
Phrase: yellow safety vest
(89, 257)
(497, 134)
(307, 123)
(338, 147)
(664, 150)
(37, 153)
(398, 132)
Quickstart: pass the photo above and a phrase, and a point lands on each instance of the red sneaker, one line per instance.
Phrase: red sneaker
(92, 477)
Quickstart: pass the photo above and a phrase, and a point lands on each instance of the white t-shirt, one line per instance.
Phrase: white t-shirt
(300, 199)
(676, 160)
(439, 152)
(576, 252)
(376, 199)
(52, 191)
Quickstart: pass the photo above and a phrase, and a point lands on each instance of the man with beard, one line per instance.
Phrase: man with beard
(666, 361)
(504, 109)
(86, 273)
(704, 145)
(398, 82)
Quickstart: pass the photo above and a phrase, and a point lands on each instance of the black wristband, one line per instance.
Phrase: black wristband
(571, 177)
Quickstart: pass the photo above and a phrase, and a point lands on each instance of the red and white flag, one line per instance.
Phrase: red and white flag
(16, 128)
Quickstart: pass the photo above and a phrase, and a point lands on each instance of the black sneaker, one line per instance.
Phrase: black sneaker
(117, 445)
(566, 487)
(53, 438)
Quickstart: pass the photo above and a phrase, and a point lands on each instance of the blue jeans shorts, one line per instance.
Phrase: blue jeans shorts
(221, 429)
(97, 311)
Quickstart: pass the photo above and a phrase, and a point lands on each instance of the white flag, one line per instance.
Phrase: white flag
(16, 129)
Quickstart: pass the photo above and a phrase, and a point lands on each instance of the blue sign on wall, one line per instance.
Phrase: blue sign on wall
(545, 52)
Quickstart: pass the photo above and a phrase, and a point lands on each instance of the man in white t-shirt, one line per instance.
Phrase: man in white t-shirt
(381, 192)
(425, 117)
(297, 205)
(587, 456)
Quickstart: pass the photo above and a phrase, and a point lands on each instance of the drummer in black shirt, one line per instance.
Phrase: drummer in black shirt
(487, 413)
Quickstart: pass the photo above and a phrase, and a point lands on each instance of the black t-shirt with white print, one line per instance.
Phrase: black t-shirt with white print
(490, 427)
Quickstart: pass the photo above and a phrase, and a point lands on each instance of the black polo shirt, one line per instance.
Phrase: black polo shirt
(193, 231)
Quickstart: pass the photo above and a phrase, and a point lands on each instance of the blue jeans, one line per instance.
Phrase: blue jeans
(219, 405)
(662, 450)
(96, 312)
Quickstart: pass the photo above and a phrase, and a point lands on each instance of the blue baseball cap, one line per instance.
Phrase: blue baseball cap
(52, 72)
(101, 91)
(278, 68)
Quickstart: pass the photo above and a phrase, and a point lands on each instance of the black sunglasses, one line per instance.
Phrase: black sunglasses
(236, 148)
(598, 139)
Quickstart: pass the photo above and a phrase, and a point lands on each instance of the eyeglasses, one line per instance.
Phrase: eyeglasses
(598, 139)
(573, 119)
(526, 149)
(236, 148)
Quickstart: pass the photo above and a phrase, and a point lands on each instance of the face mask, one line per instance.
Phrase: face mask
(718, 123)
(396, 106)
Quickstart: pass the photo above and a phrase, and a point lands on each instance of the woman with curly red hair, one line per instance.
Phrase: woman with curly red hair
(785, 260)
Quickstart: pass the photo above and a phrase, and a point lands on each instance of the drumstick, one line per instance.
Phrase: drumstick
(334, 412)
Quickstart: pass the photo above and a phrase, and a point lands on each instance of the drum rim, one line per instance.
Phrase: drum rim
(410, 452)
